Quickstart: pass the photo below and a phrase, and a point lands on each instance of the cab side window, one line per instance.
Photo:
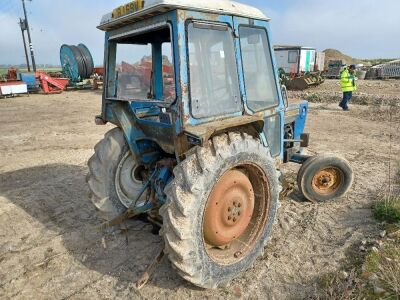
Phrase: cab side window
(259, 77)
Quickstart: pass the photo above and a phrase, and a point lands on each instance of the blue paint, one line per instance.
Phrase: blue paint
(157, 71)
(163, 178)
(144, 149)
(153, 123)
(300, 122)
(29, 79)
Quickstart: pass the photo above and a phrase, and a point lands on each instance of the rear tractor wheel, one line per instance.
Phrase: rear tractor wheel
(220, 210)
(114, 176)
(325, 177)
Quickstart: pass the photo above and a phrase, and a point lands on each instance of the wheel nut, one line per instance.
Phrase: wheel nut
(229, 217)
(239, 204)
(237, 254)
(234, 219)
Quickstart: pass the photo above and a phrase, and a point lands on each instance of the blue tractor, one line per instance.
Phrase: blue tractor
(202, 130)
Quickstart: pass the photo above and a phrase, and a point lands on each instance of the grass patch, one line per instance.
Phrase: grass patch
(366, 275)
(335, 286)
(345, 284)
(388, 210)
(3, 71)
(374, 273)
(385, 264)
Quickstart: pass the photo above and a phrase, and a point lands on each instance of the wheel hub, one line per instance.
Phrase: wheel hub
(326, 180)
(229, 209)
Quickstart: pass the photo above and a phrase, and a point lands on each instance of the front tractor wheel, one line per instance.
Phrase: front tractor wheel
(324, 177)
(220, 210)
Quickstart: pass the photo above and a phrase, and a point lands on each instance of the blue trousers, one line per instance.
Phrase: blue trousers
(346, 98)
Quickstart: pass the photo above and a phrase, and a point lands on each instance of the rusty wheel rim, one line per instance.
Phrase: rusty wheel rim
(229, 209)
(327, 180)
(235, 213)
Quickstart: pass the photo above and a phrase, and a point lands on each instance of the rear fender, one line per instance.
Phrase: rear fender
(145, 149)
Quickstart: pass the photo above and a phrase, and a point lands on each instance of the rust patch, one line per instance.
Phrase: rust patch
(184, 89)
(181, 15)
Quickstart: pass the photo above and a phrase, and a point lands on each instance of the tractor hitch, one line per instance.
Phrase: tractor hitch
(160, 177)
(132, 210)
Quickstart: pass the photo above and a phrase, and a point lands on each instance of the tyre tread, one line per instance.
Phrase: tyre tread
(177, 213)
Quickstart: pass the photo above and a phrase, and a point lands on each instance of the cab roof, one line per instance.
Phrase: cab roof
(155, 7)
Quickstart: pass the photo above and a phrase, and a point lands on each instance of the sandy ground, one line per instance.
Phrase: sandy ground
(50, 247)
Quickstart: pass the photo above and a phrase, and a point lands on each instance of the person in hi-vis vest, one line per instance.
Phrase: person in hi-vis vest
(348, 85)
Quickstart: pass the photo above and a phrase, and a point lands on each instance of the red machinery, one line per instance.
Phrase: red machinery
(143, 71)
(12, 74)
(51, 85)
(98, 71)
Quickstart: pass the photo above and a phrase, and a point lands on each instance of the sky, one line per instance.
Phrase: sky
(359, 28)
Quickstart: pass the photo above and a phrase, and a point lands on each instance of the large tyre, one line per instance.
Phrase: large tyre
(221, 208)
(325, 177)
(113, 178)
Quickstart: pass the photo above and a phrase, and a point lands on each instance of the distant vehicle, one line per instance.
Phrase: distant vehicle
(334, 69)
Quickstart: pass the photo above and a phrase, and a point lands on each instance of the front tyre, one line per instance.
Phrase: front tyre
(220, 210)
(325, 177)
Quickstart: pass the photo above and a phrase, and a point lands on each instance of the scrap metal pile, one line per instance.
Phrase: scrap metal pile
(385, 71)
(299, 67)
(300, 82)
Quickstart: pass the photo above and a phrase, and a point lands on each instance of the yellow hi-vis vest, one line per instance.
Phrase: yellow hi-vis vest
(347, 82)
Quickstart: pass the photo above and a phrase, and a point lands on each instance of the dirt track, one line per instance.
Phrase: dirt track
(50, 247)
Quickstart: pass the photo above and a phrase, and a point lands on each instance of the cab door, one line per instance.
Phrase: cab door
(259, 78)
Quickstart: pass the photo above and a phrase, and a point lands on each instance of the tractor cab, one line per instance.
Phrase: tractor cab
(193, 69)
